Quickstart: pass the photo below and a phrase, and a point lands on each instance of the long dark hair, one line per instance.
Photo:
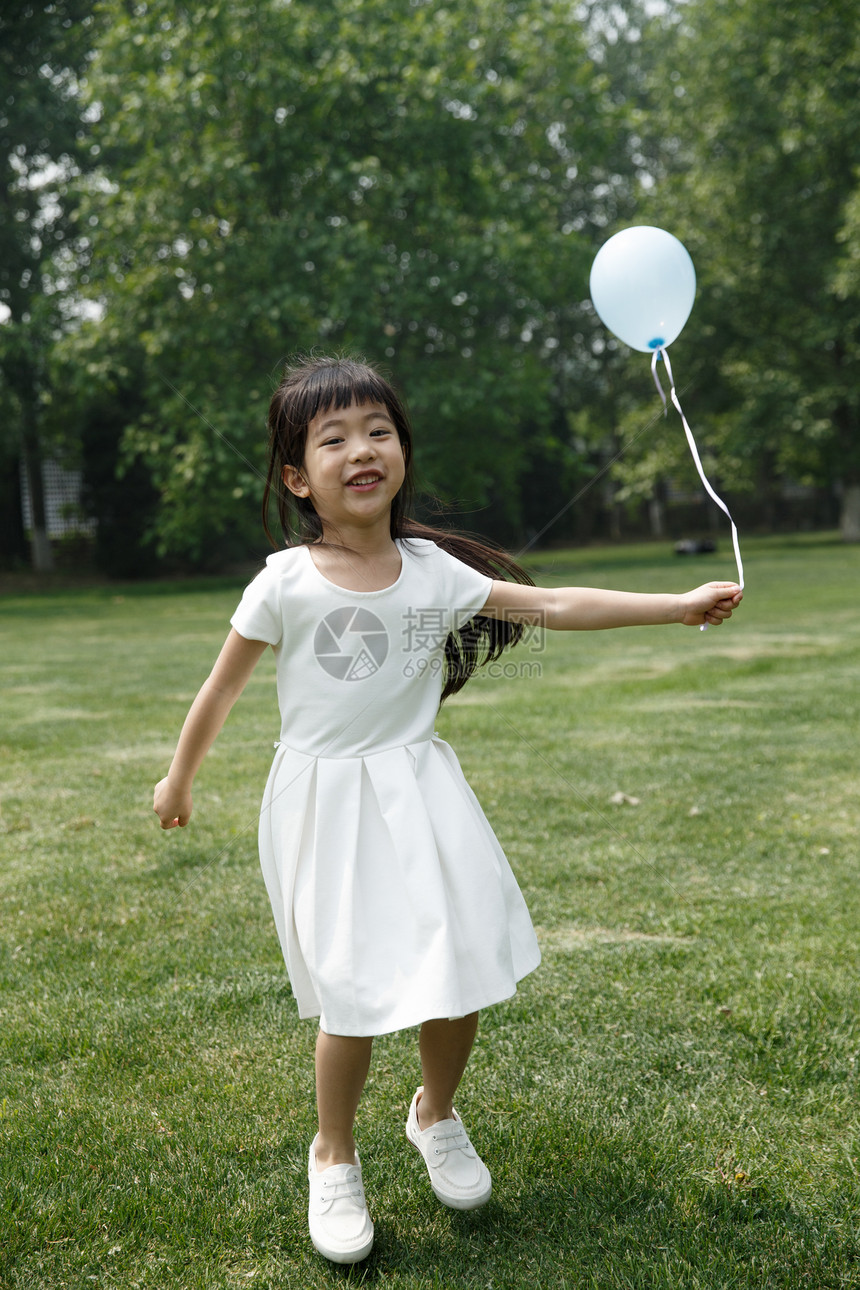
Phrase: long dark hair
(315, 384)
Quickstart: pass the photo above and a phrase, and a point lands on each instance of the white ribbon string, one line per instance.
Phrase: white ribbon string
(654, 357)
(661, 353)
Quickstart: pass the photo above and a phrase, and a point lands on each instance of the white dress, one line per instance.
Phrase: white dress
(393, 901)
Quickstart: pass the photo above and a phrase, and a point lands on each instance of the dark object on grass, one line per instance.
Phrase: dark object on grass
(693, 546)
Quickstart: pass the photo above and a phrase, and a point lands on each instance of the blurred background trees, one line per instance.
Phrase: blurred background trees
(766, 142)
(43, 50)
(194, 192)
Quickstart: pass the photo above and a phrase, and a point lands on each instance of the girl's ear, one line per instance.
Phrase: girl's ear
(295, 481)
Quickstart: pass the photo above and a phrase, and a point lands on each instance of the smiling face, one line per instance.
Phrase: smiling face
(353, 466)
(309, 388)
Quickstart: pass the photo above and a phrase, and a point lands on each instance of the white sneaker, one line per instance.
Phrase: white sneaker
(458, 1175)
(339, 1223)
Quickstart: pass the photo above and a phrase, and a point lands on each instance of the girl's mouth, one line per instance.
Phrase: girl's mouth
(363, 483)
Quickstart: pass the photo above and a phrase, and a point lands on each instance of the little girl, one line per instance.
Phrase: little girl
(393, 901)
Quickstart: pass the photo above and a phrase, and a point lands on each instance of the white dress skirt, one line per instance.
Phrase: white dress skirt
(392, 898)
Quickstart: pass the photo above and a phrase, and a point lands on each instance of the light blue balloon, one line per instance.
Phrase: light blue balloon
(643, 285)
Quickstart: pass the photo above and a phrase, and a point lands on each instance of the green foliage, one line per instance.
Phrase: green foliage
(759, 110)
(403, 180)
(217, 186)
(42, 50)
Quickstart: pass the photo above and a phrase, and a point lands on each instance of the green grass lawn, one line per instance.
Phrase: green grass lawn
(670, 1101)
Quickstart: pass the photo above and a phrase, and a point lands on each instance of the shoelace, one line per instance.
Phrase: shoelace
(455, 1139)
(340, 1188)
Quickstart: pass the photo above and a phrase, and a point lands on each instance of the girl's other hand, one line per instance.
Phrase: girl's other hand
(170, 806)
(711, 604)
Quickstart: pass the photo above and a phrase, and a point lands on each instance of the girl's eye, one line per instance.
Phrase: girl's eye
(381, 430)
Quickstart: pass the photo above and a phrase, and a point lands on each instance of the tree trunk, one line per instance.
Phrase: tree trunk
(14, 548)
(41, 553)
(656, 518)
(848, 429)
(657, 509)
(849, 521)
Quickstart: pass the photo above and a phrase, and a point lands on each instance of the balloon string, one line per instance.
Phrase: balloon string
(695, 454)
(656, 355)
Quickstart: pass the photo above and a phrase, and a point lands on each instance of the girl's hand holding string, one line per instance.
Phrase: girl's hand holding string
(172, 807)
(596, 608)
(710, 604)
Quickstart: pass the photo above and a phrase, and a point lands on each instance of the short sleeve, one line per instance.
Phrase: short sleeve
(258, 616)
(466, 589)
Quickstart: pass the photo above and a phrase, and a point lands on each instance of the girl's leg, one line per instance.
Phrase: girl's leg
(342, 1063)
(445, 1047)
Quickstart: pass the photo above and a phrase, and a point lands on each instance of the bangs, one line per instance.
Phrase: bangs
(337, 385)
(311, 386)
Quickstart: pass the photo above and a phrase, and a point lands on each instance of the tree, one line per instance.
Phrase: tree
(416, 182)
(763, 137)
(621, 447)
(42, 49)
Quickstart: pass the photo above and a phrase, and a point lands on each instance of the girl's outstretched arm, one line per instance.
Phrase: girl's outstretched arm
(591, 608)
(206, 716)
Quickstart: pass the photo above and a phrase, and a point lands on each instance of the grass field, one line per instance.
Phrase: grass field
(670, 1101)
